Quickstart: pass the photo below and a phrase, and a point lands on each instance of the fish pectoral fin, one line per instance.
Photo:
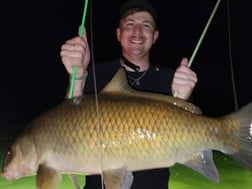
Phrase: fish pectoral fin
(47, 177)
(203, 163)
(74, 180)
(128, 180)
(118, 179)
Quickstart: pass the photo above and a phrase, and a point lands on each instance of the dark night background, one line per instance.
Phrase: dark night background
(34, 79)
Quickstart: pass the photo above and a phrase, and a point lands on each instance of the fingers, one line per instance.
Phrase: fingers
(182, 88)
(75, 44)
(184, 80)
(184, 62)
(75, 52)
(183, 72)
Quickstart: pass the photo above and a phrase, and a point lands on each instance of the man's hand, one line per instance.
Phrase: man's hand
(184, 81)
(76, 52)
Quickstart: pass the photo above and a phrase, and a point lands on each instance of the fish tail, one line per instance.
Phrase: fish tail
(244, 154)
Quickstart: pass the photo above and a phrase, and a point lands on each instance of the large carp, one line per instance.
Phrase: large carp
(121, 130)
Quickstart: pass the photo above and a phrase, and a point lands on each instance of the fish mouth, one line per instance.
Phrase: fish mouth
(8, 176)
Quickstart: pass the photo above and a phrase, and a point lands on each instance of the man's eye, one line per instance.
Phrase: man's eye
(147, 26)
(129, 24)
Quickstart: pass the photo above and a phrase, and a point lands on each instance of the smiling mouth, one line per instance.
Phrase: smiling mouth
(137, 41)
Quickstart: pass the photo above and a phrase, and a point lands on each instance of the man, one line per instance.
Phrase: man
(136, 33)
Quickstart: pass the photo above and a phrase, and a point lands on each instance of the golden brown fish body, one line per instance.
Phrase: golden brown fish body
(126, 130)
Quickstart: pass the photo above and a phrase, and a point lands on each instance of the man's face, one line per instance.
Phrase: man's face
(137, 33)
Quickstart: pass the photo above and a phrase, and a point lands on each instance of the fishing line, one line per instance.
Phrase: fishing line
(82, 27)
(201, 38)
(230, 55)
(96, 91)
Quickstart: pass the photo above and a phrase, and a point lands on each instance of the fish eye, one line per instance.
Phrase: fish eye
(9, 152)
(9, 156)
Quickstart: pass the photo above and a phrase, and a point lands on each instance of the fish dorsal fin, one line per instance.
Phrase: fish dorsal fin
(203, 163)
(119, 84)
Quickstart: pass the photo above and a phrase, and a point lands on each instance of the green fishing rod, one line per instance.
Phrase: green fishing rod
(70, 95)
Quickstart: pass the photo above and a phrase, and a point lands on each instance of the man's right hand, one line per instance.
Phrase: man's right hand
(76, 52)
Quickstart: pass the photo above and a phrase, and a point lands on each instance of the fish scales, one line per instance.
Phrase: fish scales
(124, 133)
(129, 131)
(160, 126)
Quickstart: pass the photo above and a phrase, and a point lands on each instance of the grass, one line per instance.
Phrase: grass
(232, 176)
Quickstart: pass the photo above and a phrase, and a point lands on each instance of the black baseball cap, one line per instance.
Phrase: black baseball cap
(143, 5)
